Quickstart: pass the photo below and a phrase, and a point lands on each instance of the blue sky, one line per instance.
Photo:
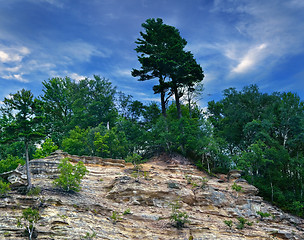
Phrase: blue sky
(237, 42)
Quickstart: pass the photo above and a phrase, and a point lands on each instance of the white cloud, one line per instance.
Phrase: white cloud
(11, 62)
(76, 76)
(122, 73)
(80, 51)
(251, 59)
(273, 22)
(12, 54)
(17, 77)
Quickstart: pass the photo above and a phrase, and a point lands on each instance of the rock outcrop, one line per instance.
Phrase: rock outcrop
(142, 200)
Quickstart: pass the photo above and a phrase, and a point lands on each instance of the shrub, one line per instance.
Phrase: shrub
(263, 215)
(4, 188)
(10, 163)
(178, 217)
(127, 211)
(34, 191)
(228, 223)
(242, 222)
(28, 220)
(46, 149)
(134, 158)
(115, 217)
(236, 187)
(70, 176)
(297, 208)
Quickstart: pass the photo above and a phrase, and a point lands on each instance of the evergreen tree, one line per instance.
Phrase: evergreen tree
(156, 48)
(26, 117)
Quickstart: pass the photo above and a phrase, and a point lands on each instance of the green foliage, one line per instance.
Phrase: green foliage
(137, 171)
(10, 163)
(115, 217)
(28, 220)
(70, 175)
(127, 211)
(263, 214)
(263, 135)
(134, 158)
(25, 124)
(236, 187)
(89, 236)
(46, 149)
(297, 208)
(178, 218)
(77, 142)
(242, 222)
(112, 144)
(202, 182)
(4, 188)
(228, 223)
(162, 56)
(35, 191)
(15, 149)
(64, 217)
(85, 103)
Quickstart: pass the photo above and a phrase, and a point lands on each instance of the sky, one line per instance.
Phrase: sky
(237, 42)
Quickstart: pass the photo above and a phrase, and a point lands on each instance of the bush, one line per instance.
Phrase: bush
(28, 220)
(134, 158)
(115, 217)
(178, 217)
(4, 188)
(236, 187)
(242, 222)
(263, 214)
(297, 208)
(127, 211)
(228, 223)
(34, 191)
(46, 149)
(70, 176)
(10, 163)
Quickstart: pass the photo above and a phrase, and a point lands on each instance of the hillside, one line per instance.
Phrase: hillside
(112, 185)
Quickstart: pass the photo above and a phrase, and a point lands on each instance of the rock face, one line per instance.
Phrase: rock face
(146, 197)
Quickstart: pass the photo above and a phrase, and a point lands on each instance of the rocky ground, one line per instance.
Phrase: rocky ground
(142, 201)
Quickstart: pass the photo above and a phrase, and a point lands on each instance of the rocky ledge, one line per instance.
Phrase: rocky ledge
(120, 202)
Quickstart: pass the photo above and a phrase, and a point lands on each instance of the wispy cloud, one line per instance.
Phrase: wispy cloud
(11, 58)
(17, 77)
(122, 73)
(76, 76)
(81, 51)
(12, 54)
(250, 59)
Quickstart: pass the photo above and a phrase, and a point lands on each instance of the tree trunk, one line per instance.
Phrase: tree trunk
(189, 104)
(271, 191)
(163, 103)
(177, 102)
(28, 170)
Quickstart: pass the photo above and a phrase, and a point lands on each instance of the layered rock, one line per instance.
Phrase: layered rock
(111, 186)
